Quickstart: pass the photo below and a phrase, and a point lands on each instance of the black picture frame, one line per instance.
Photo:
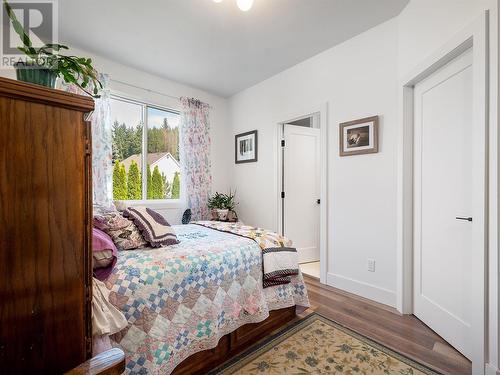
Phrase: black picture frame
(255, 149)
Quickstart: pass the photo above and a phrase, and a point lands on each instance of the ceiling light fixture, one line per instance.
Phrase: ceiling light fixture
(244, 5)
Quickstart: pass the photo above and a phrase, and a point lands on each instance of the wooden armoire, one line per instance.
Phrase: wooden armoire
(45, 229)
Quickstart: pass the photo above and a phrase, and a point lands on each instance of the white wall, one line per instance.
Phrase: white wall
(221, 142)
(426, 25)
(357, 79)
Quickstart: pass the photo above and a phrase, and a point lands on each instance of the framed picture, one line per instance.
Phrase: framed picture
(245, 147)
(359, 136)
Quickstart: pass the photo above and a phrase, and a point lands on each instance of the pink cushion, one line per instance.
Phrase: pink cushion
(102, 245)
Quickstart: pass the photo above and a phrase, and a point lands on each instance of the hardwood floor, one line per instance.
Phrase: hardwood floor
(402, 333)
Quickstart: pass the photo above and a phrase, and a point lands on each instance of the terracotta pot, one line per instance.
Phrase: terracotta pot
(222, 214)
(232, 216)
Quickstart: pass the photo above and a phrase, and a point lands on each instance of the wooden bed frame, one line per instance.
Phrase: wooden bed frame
(234, 343)
(112, 362)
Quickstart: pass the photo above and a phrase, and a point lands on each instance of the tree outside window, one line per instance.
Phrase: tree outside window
(135, 124)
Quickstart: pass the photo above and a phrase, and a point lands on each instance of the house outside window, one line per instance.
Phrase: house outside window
(146, 164)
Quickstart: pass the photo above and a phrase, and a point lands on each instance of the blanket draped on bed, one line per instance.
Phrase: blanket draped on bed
(181, 299)
(279, 259)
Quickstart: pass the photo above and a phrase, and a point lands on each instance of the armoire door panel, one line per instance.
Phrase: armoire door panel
(45, 238)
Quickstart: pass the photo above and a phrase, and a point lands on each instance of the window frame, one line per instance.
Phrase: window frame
(160, 203)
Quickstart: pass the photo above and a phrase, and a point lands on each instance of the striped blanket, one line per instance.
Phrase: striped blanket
(279, 259)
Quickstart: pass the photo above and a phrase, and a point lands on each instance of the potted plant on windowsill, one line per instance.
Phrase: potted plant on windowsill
(45, 64)
(222, 206)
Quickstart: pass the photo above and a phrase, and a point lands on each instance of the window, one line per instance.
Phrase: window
(138, 127)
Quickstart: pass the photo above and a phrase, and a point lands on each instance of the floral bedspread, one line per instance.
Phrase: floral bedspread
(182, 299)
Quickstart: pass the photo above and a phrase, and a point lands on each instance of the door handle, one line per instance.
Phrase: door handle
(464, 218)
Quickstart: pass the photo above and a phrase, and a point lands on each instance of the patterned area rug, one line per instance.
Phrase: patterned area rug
(318, 345)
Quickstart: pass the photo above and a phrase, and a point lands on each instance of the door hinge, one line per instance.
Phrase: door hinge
(282, 143)
(88, 294)
(88, 344)
(88, 151)
(283, 195)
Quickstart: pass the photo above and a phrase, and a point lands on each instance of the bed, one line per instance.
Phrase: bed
(200, 294)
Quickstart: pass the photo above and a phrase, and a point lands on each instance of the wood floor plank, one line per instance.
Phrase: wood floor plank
(385, 312)
(407, 325)
(448, 351)
(384, 324)
(402, 333)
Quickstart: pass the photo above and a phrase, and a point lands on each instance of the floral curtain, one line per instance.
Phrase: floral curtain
(196, 171)
(102, 154)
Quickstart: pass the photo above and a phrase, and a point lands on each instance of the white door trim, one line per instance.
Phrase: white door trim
(493, 258)
(476, 37)
(322, 110)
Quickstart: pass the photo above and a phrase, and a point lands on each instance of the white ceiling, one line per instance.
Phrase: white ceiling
(216, 47)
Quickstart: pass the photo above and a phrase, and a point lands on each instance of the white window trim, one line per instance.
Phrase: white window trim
(159, 203)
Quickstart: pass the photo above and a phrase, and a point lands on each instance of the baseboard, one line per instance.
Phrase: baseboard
(308, 254)
(375, 293)
(491, 370)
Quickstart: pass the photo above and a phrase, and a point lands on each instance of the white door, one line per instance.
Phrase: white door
(443, 202)
(301, 183)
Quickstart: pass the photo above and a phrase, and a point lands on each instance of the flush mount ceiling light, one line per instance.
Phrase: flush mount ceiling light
(244, 5)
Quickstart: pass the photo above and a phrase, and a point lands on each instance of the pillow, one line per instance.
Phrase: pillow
(104, 254)
(122, 231)
(102, 259)
(155, 229)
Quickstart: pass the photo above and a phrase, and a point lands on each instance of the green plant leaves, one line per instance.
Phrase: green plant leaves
(18, 28)
(73, 69)
(56, 47)
(222, 201)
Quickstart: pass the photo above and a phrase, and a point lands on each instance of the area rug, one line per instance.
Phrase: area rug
(318, 345)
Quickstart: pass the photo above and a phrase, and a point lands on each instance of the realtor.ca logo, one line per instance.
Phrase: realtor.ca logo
(39, 21)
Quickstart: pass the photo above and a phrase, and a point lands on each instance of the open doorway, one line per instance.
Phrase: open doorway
(301, 189)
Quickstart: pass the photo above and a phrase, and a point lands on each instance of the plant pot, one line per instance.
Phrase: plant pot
(32, 73)
(232, 216)
(222, 214)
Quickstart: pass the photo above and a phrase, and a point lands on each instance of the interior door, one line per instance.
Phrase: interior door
(443, 203)
(301, 183)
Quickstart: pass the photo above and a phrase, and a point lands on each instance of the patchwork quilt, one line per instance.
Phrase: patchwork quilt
(279, 259)
(182, 299)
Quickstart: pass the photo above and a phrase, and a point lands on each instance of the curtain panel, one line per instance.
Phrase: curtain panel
(196, 167)
(102, 139)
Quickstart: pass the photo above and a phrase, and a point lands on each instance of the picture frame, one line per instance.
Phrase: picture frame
(246, 147)
(359, 137)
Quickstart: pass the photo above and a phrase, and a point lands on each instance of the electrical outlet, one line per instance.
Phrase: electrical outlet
(370, 265)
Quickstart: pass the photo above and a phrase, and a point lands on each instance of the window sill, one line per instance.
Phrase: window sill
(154, 203)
